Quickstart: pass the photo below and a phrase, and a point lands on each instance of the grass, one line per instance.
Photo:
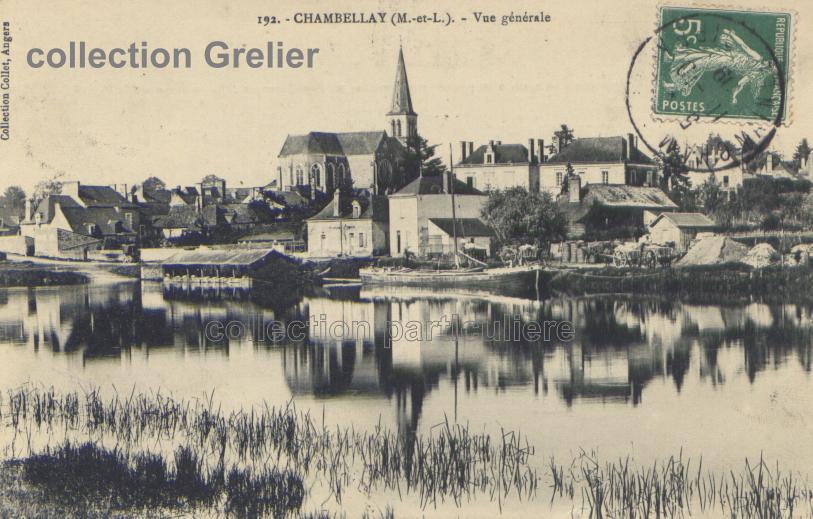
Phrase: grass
(239, 448)
(676, 488)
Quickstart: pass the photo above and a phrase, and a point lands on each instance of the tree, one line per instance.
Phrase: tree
(517, 216)
(211, 178)
(563, 137)
(153, 184)
(14, 197)
(47, 187)
(423, 154)
(806, 210)
(673, 163)
(802, 152)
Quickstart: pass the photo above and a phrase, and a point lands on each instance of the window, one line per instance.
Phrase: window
(299, 176)
(356, 209)
(559, 176)
(398, 241)
(605, 177)
(129, 218)
(489, 158)
(470, 181)
(316, 174)
(725, 180)
(362, 243)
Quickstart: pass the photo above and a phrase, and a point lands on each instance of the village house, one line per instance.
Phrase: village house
(599, 160)
(82, 219)
(679, 229)
(607, 211)
(707, 163)
(500, 166)
(412, 207)
(371, 159)
(350, 225)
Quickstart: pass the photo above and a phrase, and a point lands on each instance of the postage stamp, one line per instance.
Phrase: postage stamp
(723, 64)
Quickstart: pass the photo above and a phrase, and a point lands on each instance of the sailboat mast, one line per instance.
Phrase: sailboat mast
(454, 215)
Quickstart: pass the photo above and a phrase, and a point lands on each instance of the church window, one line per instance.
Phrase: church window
(299, 176)
(341, 174)
(397, 128)
(392, 124)
(316, 174)
(559, 176)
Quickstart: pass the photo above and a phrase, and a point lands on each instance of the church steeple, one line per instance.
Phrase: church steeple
(402, 121)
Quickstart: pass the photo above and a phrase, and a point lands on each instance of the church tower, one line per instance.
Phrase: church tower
(402, 121)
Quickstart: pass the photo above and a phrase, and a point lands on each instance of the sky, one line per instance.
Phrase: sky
(470, 81)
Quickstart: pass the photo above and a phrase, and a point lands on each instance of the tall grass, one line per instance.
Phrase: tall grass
(450, 462)
(675, 488)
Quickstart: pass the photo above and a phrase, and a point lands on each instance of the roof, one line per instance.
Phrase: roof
(225, 257)
(686, 220)
(434, 186)
(401, 97)
(376, 209)
(187, 217)
(330, 143)
(466, 227)
(105, 219)
(250, 213)
(619, 195)
(101, 196)
(67, 240)
(288, 198)
(503, 154)
(599, 149)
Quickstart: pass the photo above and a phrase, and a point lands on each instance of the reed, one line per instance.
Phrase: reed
(671, 488)
(238, 448)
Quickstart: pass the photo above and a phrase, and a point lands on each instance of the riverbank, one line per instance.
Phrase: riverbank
(733, 281)
(28, 274)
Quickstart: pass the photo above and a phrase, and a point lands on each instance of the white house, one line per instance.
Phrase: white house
(411, 208)
(599, 160)
(355, 226)
(500, 166)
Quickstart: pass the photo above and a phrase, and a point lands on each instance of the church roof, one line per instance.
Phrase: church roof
(401, 98)
(330, 143)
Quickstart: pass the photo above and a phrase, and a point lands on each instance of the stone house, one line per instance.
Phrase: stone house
(350, 226)
(500, 166)
(599, 160)
(679, 228)
(411, 208)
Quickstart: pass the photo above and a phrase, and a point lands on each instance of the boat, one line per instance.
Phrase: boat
(509, 279)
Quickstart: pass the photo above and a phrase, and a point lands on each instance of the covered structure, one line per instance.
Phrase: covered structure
(215, 265)
(679, 228)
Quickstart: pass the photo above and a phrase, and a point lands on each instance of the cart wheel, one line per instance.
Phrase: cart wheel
(620, 259)
(650, 259)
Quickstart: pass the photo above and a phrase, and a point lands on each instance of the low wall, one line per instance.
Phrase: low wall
(22, 245)
(157, 254)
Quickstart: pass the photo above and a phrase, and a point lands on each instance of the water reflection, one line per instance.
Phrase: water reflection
(621, 344)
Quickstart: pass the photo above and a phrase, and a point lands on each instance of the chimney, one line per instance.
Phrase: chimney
(574, 188)
(498, 143)
(337, 203)
(445, 177)
(471, 148)
(631, 144)
(491, 144)
(463, 150)
(71, 189)
(540, 145)
(530, 150)
(28, 210)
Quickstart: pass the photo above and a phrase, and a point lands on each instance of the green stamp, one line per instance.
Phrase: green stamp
(723, 64)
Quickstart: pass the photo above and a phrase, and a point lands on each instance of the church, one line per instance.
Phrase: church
(377, 160)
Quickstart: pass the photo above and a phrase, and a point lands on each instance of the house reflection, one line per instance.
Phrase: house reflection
(357, 343)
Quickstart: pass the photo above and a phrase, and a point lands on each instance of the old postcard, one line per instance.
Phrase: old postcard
(381, 259)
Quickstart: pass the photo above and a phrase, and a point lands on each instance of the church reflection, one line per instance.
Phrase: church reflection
(621, 344)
